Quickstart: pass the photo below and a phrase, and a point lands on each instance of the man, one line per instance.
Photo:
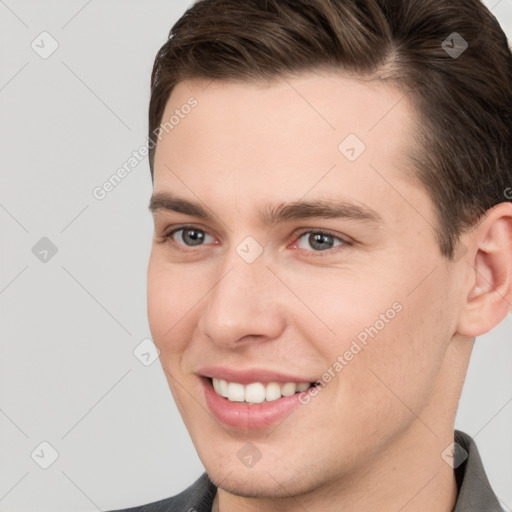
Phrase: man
(333, 228)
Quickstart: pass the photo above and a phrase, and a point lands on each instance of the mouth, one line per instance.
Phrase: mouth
(257, 392)
(248, 400)
(253, 398)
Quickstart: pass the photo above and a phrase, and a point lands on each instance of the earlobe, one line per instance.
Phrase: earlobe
(488, 298)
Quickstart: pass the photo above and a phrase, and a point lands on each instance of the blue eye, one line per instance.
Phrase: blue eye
(189, 236)
(319, 241)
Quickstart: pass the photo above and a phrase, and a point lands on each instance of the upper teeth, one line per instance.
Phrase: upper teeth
(256, 392)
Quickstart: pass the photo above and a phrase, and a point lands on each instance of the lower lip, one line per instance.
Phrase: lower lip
(245, 416)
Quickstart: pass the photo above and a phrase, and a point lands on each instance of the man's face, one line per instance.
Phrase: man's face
(261, 292)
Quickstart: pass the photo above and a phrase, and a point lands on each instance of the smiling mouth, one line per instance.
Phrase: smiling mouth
(257, 392)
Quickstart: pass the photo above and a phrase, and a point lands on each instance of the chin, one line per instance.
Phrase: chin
(262, 483)
(253, 485)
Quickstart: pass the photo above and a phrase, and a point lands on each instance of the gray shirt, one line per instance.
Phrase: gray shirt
(475, 493)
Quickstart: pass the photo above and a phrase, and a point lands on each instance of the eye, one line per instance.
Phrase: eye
(319, 241)
(189, 236)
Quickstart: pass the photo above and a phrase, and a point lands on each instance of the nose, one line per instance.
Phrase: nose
(246, 303)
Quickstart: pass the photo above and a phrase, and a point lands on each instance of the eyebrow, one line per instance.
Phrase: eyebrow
(273, 214)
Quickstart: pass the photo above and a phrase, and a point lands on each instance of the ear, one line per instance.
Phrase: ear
(487, 296)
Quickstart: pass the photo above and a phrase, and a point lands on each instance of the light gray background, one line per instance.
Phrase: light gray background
(69, 326)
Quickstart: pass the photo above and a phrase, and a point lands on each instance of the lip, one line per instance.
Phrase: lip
(245, 416)
(250, 375)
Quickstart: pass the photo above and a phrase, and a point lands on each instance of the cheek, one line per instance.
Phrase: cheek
(346, 304)
(390, 340)
(172, 294)
(401, 365)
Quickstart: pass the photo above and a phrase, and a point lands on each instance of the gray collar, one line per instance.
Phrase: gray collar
(475, 492)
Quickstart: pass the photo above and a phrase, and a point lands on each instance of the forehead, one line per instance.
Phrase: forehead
(311, 134)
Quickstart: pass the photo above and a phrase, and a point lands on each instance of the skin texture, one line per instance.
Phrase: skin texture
(382, 423)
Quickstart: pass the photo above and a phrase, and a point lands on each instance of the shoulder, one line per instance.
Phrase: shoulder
(196, 498)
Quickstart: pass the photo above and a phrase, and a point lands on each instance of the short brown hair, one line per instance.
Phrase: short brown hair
(465, 101)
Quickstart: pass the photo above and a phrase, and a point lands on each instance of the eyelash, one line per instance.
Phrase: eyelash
(167, 237)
